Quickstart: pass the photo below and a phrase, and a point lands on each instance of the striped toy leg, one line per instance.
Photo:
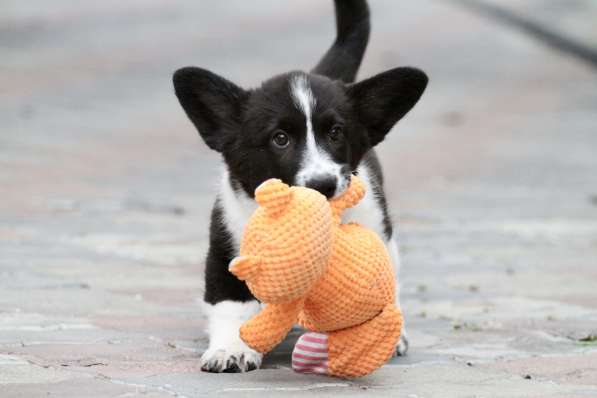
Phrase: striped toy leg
(310, 354)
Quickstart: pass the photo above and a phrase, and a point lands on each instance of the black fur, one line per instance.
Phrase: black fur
(213, 104)
(221, 284)
(241, 124)
(251, 157)
(352, 35)
(376, 176)
(380, 101)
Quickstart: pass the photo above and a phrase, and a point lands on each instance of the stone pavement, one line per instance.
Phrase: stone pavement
(105, 191)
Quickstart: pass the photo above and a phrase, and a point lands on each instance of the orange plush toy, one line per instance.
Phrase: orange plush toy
(309, 268)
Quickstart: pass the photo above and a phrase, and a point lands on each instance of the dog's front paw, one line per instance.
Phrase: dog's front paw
(402, 347)
(224, 360)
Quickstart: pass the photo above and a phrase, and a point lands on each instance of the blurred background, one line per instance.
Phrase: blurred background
(106, 189)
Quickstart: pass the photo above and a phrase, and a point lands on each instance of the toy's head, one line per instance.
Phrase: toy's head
(286, 244)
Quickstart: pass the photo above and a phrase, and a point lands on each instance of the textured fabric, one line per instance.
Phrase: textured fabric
(351, 352)
(309, 268)
(310, 354)
(262, 334)
(286, 243)
(359, 350)
(357, 284)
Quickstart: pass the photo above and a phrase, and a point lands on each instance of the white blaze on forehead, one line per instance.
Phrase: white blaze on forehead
(303, 98)
(315, 162)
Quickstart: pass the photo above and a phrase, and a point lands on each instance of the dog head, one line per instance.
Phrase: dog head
(305, 129)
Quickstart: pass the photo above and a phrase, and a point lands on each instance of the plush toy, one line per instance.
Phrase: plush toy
(333, 279)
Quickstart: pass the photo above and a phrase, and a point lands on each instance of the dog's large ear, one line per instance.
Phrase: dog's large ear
(382, 100)
(213, 104)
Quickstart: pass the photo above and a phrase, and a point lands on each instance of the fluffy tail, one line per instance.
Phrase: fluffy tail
(342, 60)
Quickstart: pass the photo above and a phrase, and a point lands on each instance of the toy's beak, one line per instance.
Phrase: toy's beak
(244, 268)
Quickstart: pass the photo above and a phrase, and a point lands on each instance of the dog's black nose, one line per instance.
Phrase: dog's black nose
(326, 185)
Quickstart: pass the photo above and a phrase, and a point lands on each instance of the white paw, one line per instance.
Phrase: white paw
(402, 346)
(227, 360)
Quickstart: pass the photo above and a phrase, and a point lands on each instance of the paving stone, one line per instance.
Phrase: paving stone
(106, 192)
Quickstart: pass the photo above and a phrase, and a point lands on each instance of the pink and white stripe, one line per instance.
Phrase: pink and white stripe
(310, 354)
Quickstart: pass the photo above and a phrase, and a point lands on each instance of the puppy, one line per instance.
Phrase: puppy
(311, 129)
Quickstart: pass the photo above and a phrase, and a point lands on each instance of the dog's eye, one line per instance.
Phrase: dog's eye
(280, 139)
(335, 132)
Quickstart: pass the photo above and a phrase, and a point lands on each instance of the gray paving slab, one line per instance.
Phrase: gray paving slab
(106, 190)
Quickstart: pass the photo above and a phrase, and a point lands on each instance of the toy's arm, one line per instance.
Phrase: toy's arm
(353, 195)
(268, 328)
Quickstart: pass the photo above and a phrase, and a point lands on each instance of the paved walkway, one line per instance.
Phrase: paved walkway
(106, 188)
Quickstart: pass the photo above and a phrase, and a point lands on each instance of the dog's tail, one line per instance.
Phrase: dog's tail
(342, 60)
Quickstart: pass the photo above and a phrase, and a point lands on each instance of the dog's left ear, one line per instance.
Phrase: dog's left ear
(213, 104)
(382, 100)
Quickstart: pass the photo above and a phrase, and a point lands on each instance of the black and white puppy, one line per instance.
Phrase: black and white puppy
(310, 129)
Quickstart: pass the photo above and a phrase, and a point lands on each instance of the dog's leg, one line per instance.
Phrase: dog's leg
(227, 352)
(228, 304)
(392, 248)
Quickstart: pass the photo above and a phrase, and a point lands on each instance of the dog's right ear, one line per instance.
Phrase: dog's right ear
(213, 104)
(380, 101)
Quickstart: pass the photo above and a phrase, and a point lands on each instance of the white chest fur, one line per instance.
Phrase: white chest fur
(368, 212)
(237, 208)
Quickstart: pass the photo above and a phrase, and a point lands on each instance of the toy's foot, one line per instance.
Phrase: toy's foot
(230, 361)
(310, 354)
(402, 347)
